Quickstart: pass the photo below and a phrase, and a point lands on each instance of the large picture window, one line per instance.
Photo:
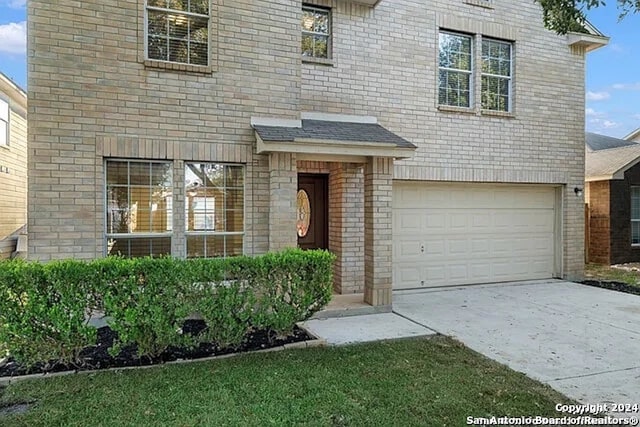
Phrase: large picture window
(4, 123)
(635, 215)
(139, 208)
(214, 210)
(455, 70)
(178, 31)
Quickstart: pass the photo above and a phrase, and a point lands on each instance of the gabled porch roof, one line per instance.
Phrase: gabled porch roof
(326, 134)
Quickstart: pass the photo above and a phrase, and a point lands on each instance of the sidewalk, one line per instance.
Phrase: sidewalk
(365, 328)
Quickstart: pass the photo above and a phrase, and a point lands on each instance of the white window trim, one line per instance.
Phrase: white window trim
(510, 77)
(188, 233)
(108, 235)
(195, 15)
(471, 72)
(7, 121)
(329, 34)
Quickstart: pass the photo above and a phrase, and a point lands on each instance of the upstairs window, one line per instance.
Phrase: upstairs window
(455, 70)
(178, 31)
(496, 75)
(316, 32)
(4, 123)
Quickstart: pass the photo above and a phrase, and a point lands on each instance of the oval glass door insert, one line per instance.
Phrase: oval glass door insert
(304, 213)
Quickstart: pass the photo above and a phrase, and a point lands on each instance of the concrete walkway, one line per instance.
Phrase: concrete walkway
(370, 327)
(582, 341)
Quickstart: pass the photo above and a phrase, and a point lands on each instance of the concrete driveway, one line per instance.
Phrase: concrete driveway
(582, 341)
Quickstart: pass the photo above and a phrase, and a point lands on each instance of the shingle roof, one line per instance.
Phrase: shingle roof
(333, 131)
(597, 142)
(606, 163)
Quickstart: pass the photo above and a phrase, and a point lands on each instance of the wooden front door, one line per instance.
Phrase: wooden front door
(312, 223)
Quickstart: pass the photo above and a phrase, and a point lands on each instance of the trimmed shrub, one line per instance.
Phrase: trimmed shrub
(45, 308)
(43, 311)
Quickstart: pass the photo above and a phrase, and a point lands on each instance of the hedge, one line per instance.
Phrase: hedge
(45, 308)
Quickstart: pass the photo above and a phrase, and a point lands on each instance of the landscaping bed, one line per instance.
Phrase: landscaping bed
(241, 304)
(622, 278)
(98, 357)
(614, 286)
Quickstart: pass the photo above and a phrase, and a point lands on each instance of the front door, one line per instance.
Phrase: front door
(313, 211)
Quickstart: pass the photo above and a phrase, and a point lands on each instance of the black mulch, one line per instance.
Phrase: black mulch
(614, 286)
(97, 357)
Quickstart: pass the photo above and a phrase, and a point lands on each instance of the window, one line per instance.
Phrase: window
(316, 32)
(139, 208)
(455, 70)
(635, 215)
(496, 75)
(4, 123)
(214, 210)
(178, 31)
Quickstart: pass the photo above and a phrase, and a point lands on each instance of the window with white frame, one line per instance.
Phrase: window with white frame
(4, 123)
(214, 210)
(139, 213)
(316, 32)
(496, 75)
(455, 82)
(178, 31)
(635, 215)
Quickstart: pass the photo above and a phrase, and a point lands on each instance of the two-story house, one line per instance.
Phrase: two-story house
(424, 143)
(13, 164)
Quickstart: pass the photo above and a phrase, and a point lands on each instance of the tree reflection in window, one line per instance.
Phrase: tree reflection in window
(178, 31)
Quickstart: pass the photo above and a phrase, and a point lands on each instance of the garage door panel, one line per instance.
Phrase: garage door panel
(472, 233)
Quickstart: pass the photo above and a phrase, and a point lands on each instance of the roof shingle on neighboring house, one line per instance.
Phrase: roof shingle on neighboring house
(597, 142)
(608, 158)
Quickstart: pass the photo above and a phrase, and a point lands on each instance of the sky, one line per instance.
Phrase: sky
(613, 72)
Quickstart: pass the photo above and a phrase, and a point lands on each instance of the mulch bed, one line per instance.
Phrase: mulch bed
(614, 286)
(97, 357)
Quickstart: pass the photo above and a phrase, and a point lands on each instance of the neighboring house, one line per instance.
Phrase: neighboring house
(612, 194)
(424, 143)
(633, 136)
(13, 164)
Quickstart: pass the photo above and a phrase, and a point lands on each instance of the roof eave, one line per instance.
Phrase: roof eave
(334, 148)
(589, 42)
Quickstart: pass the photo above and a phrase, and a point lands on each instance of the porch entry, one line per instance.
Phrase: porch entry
(312, 214)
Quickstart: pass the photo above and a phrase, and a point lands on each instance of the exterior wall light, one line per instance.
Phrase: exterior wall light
(578, 191)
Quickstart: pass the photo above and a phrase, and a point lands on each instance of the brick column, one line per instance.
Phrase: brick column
(346, 226)
(378, 186)
(283, 186)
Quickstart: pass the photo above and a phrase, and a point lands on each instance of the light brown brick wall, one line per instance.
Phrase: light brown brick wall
(385, 64)
(93, 97)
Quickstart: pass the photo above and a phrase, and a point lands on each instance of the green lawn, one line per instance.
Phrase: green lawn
(422, 382)
(604, 272)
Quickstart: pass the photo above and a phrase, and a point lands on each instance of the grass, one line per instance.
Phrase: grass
(421, 382)
(606, 273)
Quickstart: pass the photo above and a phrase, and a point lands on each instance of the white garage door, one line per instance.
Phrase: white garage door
(448, 234)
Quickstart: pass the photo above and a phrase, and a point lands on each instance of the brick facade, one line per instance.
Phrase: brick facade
(599, 222)
(93, 97)
(610, 220)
